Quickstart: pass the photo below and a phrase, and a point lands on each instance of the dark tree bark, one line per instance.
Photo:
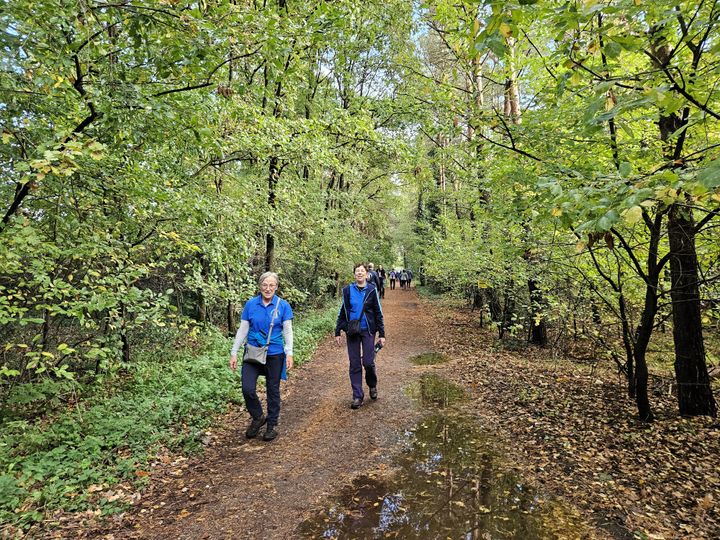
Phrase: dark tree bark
(123, 334)
(627, 343)
(230, 309)
(694, 392)
(642, 340)
(496, 311)
(695, 395)
(636, 344)
(202, 302)
(273, 175)
(538, 326)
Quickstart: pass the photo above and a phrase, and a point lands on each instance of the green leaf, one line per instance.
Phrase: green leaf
(710, 176)
(625, 169)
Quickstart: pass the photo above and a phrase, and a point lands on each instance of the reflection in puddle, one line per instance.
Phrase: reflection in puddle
(429, 358)
(448, 484)
(432, 390)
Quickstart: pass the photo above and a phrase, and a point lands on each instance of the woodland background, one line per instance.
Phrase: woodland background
(554, 163)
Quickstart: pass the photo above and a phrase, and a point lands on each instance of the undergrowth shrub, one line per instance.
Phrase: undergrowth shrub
(70, 458)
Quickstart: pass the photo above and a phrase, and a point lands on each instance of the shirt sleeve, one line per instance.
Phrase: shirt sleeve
(240, 337)
(287, 332)
(287, 312)
(246, 311)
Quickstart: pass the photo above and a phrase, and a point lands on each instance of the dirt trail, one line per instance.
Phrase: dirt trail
(243, 488)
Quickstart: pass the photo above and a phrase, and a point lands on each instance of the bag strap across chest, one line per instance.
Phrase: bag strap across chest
(272, 322)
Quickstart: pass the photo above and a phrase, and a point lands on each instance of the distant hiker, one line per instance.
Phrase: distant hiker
(409, 277)
(263, 315)
(393, 277)
(382, 275)
(372, 276)
(403, 278)
(361, 317)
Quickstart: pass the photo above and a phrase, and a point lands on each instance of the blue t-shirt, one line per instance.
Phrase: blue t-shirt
(259, 315)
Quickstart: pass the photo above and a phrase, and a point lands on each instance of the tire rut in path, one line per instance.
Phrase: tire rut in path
(253, 489)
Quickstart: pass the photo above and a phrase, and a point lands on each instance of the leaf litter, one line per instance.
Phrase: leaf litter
(573, 432)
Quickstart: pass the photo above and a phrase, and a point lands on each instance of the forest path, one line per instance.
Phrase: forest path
(243, 488)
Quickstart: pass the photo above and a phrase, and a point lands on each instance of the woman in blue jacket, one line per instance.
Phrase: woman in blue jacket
(361, 317)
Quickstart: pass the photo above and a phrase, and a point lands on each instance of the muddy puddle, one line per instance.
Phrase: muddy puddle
(449, 481)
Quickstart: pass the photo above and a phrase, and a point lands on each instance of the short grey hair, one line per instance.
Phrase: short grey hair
(269, 275)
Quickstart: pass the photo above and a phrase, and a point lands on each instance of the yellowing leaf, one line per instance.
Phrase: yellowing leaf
(505, 30)
(556, 212)
(633, 215)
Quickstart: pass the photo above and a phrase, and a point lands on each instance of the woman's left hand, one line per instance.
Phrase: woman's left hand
(289, 361)
(382, 341)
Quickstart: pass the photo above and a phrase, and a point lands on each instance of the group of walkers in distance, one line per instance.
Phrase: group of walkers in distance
(266, 335)
(379, 277)
(404, 276)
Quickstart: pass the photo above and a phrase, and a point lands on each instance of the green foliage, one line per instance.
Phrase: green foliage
(110, 436)
(309, 330)
(614, 125)
(157, 161)
(72, 459)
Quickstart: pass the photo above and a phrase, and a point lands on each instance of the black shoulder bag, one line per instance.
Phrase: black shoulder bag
(353, 328)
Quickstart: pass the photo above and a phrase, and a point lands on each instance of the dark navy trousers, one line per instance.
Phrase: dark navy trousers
(272, 371)
(361, 351)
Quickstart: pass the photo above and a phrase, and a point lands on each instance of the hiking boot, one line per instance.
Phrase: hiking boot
(373, 392)
(254, 427)
(270, 433)
(356, 403)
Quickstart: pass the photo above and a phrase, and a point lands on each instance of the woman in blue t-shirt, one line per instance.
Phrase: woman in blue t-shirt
(265, 314)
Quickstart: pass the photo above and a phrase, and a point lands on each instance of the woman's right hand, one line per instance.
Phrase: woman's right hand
(338, 340)
(233, 363)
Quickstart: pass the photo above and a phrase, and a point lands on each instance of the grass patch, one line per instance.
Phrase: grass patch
(79, 458)
(429, 358)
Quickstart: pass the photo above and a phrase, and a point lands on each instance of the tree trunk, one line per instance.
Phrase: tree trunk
(538, 327)
(231, 318)
(642, 339)
(273, 175)
(628, 344)
(511, 106)
(45, 329)
(123, 334)
(694, 392)
(202, 302)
